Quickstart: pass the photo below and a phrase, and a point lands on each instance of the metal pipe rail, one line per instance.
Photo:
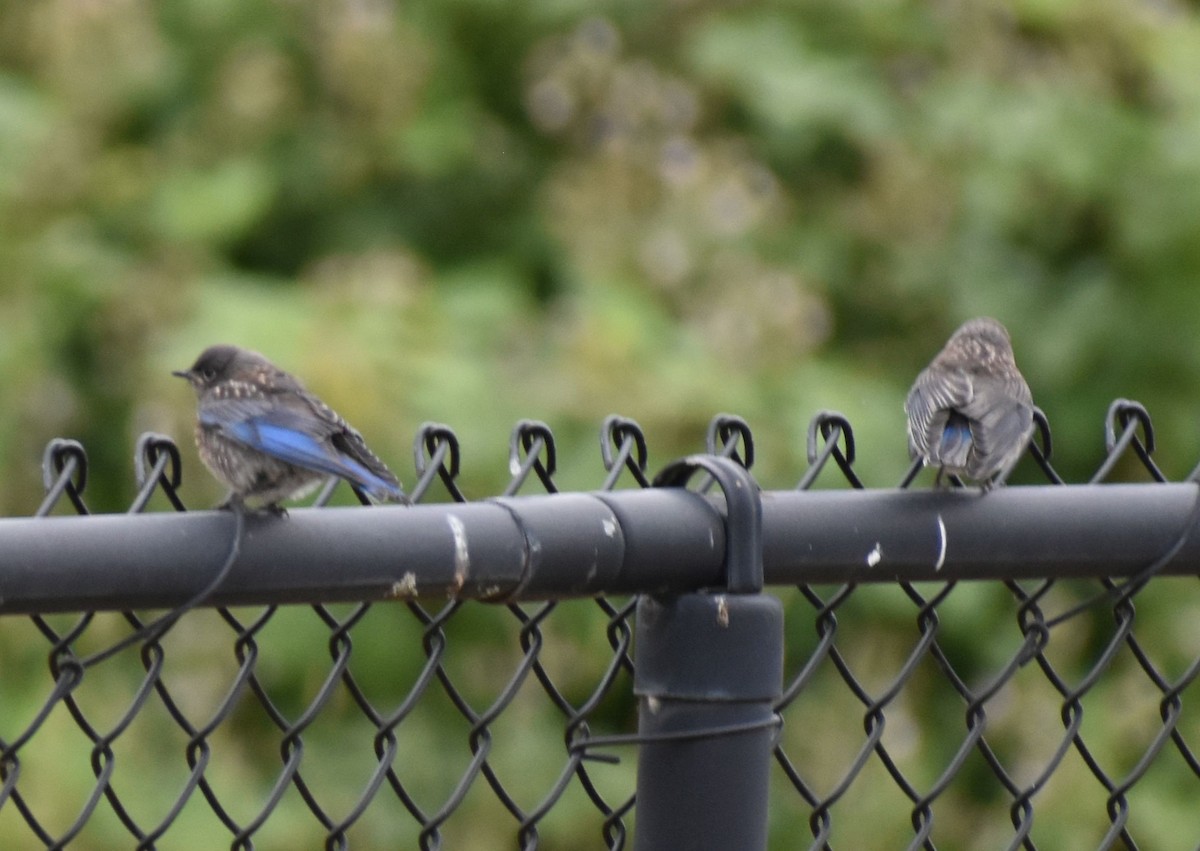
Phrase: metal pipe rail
(586, 544)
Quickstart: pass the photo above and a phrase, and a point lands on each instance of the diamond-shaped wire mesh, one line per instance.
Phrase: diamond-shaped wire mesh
(957, 715)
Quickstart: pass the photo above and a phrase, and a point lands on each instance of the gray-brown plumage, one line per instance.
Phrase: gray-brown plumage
(970, 411)
(267, 438)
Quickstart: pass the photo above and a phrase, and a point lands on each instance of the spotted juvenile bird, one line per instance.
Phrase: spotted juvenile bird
(268, 439)
(970, 411)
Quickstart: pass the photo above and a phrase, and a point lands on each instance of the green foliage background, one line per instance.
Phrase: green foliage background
(471, 212)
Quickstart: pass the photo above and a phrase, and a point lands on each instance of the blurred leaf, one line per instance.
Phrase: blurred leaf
(217, 204)
(25, 121)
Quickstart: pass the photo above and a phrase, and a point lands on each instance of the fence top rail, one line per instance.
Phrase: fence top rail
(656, 540)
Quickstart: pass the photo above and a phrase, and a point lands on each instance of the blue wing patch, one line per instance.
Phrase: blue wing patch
(955, 443)
(302, 449)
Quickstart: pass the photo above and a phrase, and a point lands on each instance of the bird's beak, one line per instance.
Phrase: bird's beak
(182, 373)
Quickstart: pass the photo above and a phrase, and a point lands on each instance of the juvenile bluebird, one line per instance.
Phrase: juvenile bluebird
(268, 439)
(970, 411)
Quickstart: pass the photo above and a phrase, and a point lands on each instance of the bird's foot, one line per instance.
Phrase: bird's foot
(233, 502)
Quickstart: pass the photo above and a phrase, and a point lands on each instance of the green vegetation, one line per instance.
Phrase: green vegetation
(472, 212)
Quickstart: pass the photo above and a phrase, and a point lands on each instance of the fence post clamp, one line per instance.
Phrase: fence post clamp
(743, 515)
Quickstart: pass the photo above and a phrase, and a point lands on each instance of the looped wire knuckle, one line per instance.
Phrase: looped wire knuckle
(65, 457)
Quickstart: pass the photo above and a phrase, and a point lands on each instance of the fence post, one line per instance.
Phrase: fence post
(709, 669)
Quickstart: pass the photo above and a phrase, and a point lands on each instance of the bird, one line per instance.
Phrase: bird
(970, 411)
(268, 439)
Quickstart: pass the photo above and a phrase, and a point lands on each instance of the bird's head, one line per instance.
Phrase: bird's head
(976, 344)
(217, 364)
(986, 331)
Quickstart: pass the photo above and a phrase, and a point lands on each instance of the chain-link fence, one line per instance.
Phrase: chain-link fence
(462, 674)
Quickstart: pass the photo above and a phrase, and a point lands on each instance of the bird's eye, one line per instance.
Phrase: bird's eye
(208, 374)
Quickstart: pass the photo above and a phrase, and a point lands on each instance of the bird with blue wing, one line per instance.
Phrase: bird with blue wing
(970, 411)
(265, 437)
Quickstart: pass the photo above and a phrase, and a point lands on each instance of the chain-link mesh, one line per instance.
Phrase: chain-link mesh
(962, 715)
